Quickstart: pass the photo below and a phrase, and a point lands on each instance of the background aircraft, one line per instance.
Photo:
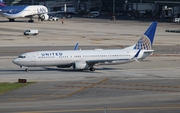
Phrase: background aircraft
(12, 12)
(87, 59)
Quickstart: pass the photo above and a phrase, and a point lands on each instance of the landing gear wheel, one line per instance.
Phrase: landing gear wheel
(11, 19)
(92, 69)
(26, 69)
(31, 21)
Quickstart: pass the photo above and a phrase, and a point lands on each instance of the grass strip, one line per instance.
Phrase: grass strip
(5, 87)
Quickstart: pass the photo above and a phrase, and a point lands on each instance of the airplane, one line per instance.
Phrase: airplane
(12, 12)
(87, 59)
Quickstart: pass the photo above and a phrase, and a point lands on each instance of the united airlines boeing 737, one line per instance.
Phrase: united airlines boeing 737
(12, 12)
(87, 59)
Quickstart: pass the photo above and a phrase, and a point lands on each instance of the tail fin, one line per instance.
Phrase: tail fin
(146, 41)
(2, 4)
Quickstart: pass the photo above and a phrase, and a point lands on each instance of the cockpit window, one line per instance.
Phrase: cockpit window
(21, 56)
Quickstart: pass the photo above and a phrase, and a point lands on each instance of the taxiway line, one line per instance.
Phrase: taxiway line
(109, 109)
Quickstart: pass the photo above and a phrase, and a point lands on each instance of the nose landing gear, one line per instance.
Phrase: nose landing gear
(26, 69)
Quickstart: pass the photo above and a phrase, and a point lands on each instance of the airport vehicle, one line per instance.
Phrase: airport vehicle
(87, 59)
(12, 12)
(31, 32)
(53, 18)
(68, 16)
(86, 15)
(176, 20)
(94, 14)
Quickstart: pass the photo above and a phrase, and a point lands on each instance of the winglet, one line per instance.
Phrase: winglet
(76, 46)
(137, 54)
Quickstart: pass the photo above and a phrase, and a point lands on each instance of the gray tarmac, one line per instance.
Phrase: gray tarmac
(151, 86)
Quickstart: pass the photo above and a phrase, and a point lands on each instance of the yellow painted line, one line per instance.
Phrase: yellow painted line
(49, 95)
(126, 84)
(79, 83)
(86, 87)
(27, 99)
(108, 109)
(159, 90)
(63, 96)
(65, 88)
(107, 87)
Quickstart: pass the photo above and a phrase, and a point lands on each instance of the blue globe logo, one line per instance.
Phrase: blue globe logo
(143, 43)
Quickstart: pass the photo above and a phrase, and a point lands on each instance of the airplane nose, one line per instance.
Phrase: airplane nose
(15, 61)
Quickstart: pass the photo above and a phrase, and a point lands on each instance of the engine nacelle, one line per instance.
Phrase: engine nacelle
(80, 65)
(64, 66)
(44, 17)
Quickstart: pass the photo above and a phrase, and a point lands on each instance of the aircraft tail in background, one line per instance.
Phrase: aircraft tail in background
(2, 4)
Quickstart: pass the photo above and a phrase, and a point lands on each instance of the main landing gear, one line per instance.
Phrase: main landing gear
(92, 69)
(11, 19)
(31, 19)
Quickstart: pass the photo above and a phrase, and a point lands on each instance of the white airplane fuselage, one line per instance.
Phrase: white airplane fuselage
(63, 58)
(23, 11)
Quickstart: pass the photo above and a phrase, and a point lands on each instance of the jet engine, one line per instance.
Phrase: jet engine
(64, 66)
(44, 17)
(80, 65)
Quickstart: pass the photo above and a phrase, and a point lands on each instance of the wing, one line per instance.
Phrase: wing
(114, 61)
(108, 62)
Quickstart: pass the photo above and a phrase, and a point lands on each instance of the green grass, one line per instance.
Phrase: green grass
(5, 87)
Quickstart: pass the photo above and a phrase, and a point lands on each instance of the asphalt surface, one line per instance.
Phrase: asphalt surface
(150, 86)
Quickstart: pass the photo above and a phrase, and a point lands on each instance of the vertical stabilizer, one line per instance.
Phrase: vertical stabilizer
(146, 41)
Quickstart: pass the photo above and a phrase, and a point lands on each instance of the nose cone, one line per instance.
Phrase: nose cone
(15, 61)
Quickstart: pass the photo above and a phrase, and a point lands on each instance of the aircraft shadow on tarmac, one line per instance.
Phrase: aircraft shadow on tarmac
(44, 69)
(72, 70)
(16, 21)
